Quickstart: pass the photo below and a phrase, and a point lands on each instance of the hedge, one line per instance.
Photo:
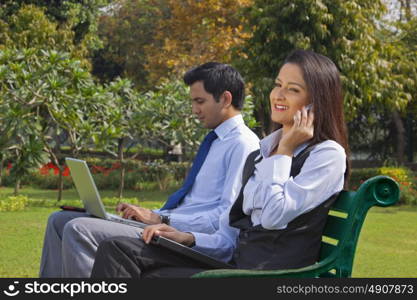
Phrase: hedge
(139, 175)
(405, 177)
(158, 174)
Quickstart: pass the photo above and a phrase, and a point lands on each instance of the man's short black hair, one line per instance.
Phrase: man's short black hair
(218, 78)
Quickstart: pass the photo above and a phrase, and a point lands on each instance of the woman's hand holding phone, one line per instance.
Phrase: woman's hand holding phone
(301, 131)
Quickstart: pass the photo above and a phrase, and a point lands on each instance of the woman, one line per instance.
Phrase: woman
(277, 220)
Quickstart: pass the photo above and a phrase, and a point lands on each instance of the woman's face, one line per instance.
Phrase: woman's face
(288, 96)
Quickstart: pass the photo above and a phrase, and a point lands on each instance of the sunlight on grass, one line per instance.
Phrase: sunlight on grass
(47, 198)
(71, 194)
(387, 245)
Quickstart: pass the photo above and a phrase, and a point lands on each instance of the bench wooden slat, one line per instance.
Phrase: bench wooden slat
(335, 227)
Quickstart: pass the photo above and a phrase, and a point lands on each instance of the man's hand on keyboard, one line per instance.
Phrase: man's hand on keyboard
(130, 211)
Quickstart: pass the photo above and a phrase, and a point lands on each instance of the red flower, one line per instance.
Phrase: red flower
(9, 166)
(50, 165)
(66, 171)
(44, 170)
(98, 169)
(115, 166)
(56, 170)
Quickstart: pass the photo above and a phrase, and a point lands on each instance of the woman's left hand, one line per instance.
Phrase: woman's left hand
(301, 131)
(168, 232)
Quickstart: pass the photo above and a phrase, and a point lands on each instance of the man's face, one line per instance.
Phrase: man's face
(204, 106)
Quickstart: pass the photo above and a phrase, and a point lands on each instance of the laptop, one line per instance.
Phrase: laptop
(202, 258)
(87, 190)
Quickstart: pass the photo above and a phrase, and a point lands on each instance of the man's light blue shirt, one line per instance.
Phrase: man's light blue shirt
(217, 183)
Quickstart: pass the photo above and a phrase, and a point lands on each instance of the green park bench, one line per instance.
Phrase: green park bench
(340, 234)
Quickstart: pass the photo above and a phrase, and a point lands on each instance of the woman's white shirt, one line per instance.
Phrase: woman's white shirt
(273, 199)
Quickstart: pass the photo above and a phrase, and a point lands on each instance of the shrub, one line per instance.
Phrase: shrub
(107, 201)
(140, 170)
(358, 176)
(47, 181)
(140, 175)
(146, 186)
(13, 203)
(113, 201)
(403, 176)
(408, 195)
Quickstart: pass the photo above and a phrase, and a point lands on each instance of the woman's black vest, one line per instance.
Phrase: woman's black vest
(295, 246)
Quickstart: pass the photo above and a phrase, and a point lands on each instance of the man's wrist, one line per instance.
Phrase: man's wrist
(190, 240)
(165, 219)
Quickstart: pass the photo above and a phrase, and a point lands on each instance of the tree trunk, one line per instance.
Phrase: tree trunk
(17, 187)
(60, 184)
(406, 7)
(1, 171)
(122, 181)
(399, 125)
(410, 144)
(122, 168)
(55, 161)
(260, 118)
(55, 154)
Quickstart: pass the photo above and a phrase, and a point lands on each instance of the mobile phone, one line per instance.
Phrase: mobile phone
(309, 107)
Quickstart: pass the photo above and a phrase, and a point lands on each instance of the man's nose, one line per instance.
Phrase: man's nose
(195, 110)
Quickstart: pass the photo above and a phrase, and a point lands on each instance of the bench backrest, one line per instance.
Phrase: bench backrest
(345, 221)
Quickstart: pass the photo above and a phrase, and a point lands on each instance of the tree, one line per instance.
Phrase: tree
(28, 155)
(195, 32)
(54, 89)
(125, 29)
(30, 27)
(387, 130)
(80, 17)
(150, 41)
(19, 130)
(48, 98)
(165, 116)
(343, 30)
(119, 125)
(401, 43)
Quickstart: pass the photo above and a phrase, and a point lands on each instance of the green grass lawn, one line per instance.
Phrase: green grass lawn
(387, 245)
(22, 232)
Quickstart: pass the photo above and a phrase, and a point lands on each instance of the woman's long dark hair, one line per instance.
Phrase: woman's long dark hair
(325, 93)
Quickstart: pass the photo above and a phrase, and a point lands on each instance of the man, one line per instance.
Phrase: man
(217, 94)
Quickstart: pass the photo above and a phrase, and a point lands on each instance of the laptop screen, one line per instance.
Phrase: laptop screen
(86, 188)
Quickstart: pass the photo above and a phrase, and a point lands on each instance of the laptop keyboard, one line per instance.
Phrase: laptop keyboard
(121, 220)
